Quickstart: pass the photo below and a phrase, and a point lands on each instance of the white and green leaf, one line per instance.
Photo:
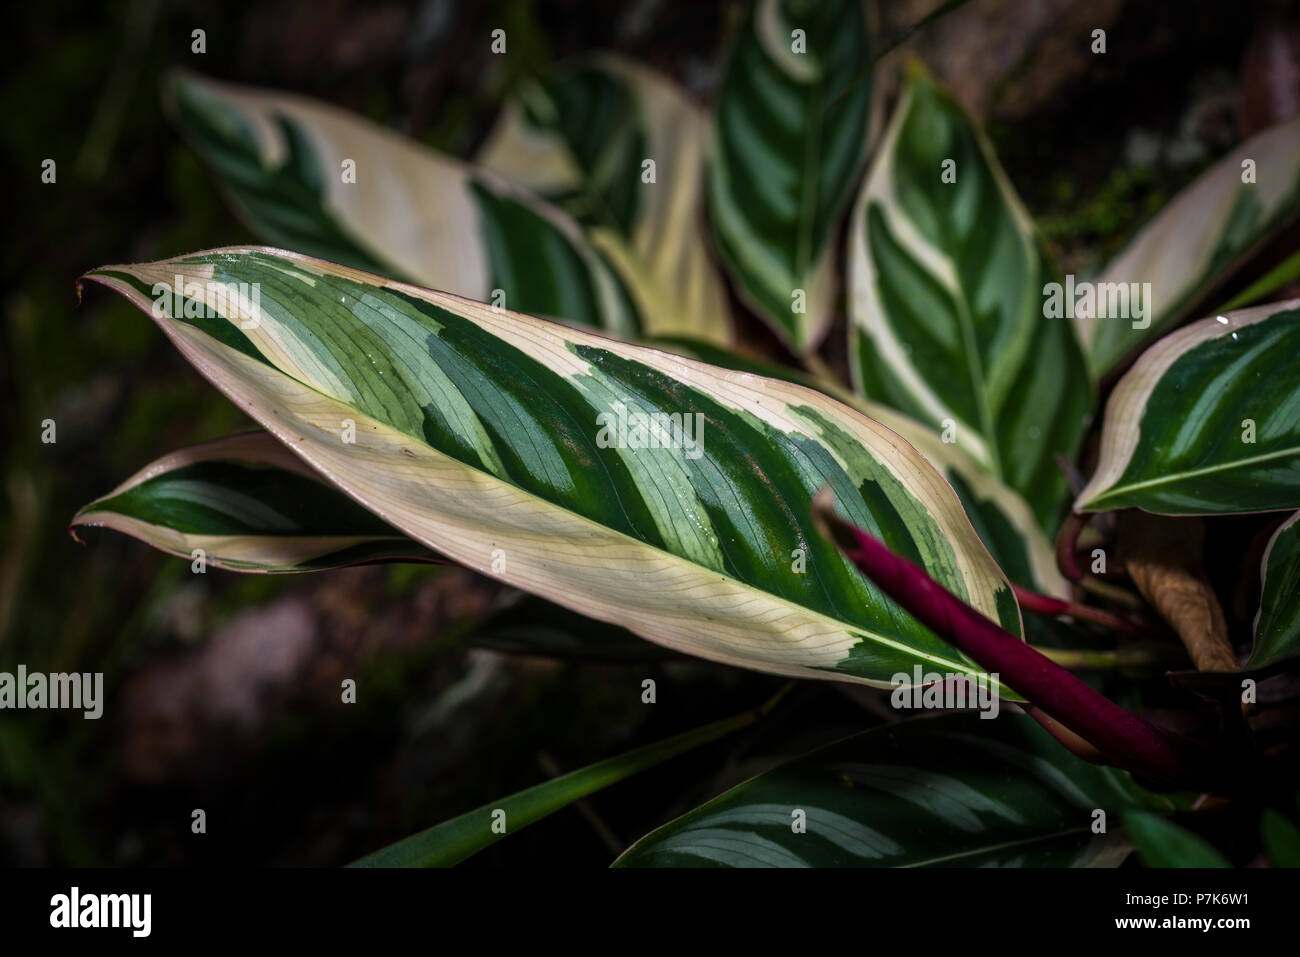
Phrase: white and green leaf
(1197, 241)
(1207, 421)
(584, 139)
(247, 504)
(314, 178)
(790, 137)
(486, 435)
(955, 791)
(948, 323)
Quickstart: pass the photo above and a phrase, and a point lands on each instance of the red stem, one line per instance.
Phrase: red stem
(1067, 541)
(1125, 739)
(1047, 605)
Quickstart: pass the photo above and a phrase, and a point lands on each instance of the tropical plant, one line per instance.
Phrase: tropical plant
(527, 363)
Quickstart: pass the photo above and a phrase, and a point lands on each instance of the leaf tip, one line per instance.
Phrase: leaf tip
(72, 529)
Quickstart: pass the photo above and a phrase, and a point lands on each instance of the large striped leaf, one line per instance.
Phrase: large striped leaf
(955, 791)
(316, 179)
(582, 139)
(498, 440)
(1198, 240)
(946, 299)
(1207, 421)
(1277, 623)
(791, 134)
(250, 505)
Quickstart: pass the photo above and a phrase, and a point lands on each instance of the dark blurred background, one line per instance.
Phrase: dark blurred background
(223, 690)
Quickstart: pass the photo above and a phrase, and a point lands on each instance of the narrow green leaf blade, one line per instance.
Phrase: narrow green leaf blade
(1281, 275)
(314, 178)
(1207, 421)
(1162, 843)
(450, 842)
(949, 792)
(790, 137)
(949, 320)
(622, 148)
(530, 451)
(249, 505)
(1198, 240)
(1277, 623)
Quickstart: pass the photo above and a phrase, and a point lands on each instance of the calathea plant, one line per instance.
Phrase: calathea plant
(524, 363)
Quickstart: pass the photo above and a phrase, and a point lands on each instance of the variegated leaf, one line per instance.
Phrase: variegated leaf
(517, 447)
(946, 299)
(314, 178)
(1277, 623)
(622, 149)
(791, 134)
(1207, 421)
(247, 504)
(956, 791)
(1195, 242)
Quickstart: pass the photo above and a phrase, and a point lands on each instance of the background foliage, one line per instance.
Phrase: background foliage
(199, 714)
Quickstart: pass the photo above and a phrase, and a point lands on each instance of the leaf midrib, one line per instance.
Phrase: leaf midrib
(1037, 838)
(811, 183)
(1115, 490)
